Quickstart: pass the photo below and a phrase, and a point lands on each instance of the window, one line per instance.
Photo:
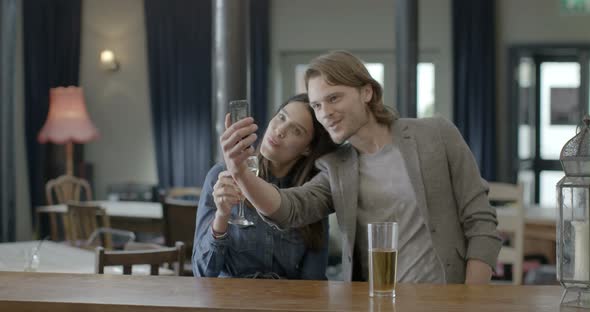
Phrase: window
(550, 94)
(425, 88)
(560, 82)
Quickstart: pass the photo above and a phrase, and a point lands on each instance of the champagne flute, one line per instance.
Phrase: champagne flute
(240, 219)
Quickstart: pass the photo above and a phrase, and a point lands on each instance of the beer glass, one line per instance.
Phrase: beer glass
(383, 239)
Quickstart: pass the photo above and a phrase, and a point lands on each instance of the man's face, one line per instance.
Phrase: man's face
(342, 110)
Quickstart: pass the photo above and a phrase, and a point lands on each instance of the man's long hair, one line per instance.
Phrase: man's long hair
(343, 68)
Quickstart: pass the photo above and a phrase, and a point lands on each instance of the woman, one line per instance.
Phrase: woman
(293, 141)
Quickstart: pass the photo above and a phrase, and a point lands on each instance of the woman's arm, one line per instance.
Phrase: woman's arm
(477, 217)
(209, 252)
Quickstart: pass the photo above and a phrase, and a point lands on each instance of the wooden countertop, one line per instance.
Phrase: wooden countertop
(81, 292)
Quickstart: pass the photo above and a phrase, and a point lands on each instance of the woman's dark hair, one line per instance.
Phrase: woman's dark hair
(304, 169)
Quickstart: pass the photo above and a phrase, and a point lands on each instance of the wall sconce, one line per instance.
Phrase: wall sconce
(108, 60)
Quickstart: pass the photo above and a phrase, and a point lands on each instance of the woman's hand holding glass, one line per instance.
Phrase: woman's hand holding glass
(236, 144)
(240, 219)
(238, 153)
(226, 194)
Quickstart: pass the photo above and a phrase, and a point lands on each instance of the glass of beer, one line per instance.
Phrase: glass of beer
(382, 258)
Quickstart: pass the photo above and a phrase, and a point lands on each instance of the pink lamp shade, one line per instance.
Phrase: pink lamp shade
(67, 120)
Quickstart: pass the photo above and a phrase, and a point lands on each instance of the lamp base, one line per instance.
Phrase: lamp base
(578, 297)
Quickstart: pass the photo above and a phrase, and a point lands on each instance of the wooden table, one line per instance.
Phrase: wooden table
(79, 292)
(59, 258)
(53, 257)
(128, 215)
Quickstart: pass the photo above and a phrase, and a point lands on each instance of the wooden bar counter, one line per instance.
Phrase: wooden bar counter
(86, 292)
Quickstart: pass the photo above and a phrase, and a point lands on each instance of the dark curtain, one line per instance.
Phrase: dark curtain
(259, 60)
(474, 79)
(51, 36)
(179, 62)
(8, 11)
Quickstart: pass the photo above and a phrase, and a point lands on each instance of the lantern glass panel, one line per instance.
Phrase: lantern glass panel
(573, 246)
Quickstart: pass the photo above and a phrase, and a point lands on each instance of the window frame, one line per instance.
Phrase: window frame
(290, 59)
(541, 53)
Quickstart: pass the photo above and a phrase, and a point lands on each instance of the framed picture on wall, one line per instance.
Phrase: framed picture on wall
(564, 106)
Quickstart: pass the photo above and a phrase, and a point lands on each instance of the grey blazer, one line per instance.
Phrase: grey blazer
(450, 194)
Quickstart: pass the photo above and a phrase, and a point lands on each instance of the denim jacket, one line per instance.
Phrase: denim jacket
(260, 250)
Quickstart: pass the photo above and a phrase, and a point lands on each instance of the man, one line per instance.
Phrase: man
(419, 173)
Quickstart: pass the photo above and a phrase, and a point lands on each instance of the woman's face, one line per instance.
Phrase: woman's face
(288, 135)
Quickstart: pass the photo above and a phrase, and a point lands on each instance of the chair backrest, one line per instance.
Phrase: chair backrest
(154, 257)
(82, 220)
(508, 200)
(67, 188)
(179, 222)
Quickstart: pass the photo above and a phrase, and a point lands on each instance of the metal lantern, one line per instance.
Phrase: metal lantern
(573, 235)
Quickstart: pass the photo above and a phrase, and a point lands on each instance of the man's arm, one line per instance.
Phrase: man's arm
(303, 205)
(476, 215)
(294, 207)
(263, 195)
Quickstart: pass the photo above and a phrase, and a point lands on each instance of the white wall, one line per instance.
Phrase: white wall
(522, 21)
(367, 26)
(118, 102)
(529, 21)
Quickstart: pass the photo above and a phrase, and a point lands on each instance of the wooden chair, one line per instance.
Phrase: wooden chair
(63, 189)
(154, 257)
(88, 226)
(179, 225)
(81, 222)
(510, 210)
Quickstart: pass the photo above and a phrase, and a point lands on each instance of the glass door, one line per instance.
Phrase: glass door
(551, 93)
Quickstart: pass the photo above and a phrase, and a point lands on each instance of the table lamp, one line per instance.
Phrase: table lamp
(67, 122)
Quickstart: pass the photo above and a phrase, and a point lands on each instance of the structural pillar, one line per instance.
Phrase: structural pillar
(406, 56)
(230, 60)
